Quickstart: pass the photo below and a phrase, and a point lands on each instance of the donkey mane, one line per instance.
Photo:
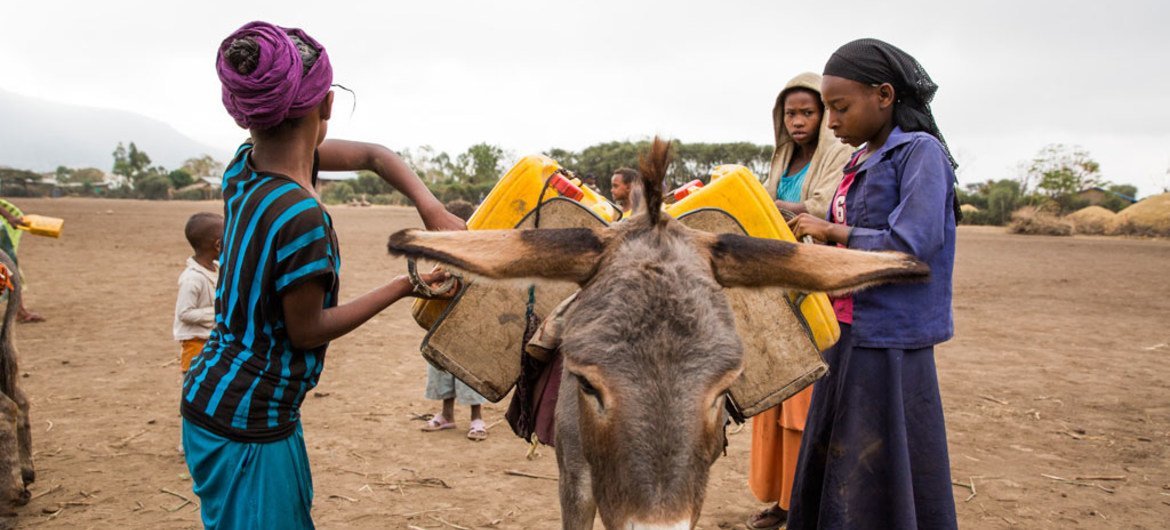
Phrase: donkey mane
(653, 166)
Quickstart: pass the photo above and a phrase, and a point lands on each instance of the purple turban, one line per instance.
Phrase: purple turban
(276, 90)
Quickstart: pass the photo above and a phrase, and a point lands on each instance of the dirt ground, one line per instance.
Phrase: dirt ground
(1056, 389)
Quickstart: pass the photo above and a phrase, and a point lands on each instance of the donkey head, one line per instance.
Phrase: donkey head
(650, 345)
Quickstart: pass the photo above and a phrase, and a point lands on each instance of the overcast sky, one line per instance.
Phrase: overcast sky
(1014, 75)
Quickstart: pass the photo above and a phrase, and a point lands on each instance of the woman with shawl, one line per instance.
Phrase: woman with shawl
(806, 168)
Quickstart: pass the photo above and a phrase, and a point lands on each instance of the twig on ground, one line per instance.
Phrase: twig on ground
(993, 399)
(970, 486)
(408, 515)
(358, 473)
(46, 492)
(448, 523)
(50, 427)
(342, 497)
(515, 473)
(176, 508)
(414, 416)
(1101, 477)
(169, 492)
(493, 424)
(430, 482)
(124, 441)
(1077, 483)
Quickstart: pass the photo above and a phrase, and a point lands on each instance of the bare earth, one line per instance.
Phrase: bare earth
(1056, 388)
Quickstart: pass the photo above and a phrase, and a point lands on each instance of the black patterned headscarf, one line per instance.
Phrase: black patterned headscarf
(872, 61)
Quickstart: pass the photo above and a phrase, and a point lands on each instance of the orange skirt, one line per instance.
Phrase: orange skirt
(776, 434)
(191, 348)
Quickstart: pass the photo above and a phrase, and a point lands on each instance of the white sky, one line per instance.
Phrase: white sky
(1014, 75)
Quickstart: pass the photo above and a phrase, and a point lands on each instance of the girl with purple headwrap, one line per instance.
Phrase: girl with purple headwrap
(276, 306)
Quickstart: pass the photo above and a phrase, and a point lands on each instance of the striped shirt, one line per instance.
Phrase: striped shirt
(249, 381)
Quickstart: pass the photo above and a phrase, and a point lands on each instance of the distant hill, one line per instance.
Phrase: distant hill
(41, 135)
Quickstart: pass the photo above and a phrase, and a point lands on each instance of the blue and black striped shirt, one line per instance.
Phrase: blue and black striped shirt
(249, 381)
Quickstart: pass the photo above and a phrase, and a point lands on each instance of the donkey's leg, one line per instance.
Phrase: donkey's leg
(12, 490)
(28, 473)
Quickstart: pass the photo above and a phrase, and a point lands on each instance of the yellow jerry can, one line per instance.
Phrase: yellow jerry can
(41, 225)
(736, 190)
(512, 198)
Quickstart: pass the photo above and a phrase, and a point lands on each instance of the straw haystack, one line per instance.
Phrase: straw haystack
(1149, 217)
(1093, 220)
(1030, 220)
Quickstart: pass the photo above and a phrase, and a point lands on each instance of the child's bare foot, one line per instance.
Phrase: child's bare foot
(25, 316)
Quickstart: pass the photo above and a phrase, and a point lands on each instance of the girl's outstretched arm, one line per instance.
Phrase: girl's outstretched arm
(345, 155)
(310, 326)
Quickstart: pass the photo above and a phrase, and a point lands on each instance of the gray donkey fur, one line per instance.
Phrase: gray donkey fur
(16, 466)
(649, 345)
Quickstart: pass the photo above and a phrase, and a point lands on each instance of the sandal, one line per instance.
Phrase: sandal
(438, 423)
(478, 431)
(772, 518)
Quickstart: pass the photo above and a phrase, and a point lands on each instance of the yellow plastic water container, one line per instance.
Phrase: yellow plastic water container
(512, 198)
(518, 191)
(41, 225)
(736, 190)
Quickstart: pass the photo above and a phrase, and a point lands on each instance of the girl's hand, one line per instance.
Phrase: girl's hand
(794, 207)
(434, 281)
(819, 229)
(438, 218)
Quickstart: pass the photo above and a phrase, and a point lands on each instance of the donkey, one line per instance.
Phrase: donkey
(649, 345)
(16, 466)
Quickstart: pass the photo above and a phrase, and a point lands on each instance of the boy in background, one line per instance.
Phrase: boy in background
(195, 306)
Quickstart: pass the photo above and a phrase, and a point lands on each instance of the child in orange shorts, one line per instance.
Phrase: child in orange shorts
(195, 306)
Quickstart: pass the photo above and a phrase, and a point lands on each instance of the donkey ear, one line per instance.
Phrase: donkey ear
(740, 261)
(567, 254)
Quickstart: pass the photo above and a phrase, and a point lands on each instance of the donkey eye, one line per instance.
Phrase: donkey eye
(588, 387)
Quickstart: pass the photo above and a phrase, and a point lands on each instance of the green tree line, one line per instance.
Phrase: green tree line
(1052, 180)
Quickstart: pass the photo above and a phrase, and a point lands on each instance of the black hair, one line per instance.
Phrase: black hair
(629, 176)
(243, 54)
(198, 227)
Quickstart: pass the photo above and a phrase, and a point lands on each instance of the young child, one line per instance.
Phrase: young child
(619, 186)
(442, 385)
(9, 242)
(195, 305)
(277, 300)
(874, 453)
